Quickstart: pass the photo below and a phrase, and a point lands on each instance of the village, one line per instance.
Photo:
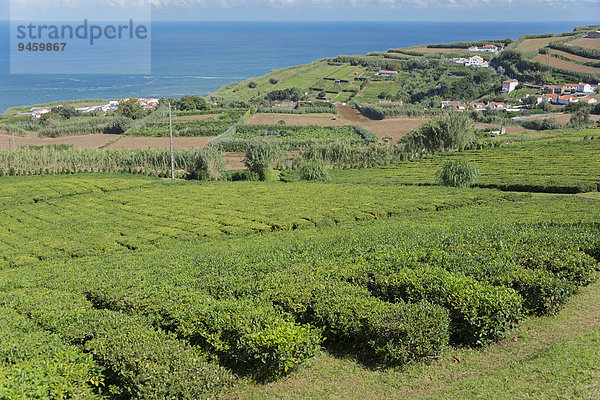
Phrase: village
(553, 94)
(111, 106)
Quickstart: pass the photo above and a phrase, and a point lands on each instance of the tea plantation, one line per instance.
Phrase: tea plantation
(122, 286)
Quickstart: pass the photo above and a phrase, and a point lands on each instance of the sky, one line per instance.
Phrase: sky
(322, 10)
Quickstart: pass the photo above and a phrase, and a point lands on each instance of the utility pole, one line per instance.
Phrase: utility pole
(171, 139)
(11, 145)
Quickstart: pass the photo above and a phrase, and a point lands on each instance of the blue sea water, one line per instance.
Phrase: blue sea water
(200, 57)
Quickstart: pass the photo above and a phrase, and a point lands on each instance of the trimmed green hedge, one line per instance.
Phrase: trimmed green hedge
(480, 313)
(391, 333)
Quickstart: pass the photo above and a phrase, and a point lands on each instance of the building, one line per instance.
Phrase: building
(551, 97)
(588, 100)
(398, 103)
(538, 97)
(584, 88)
(492, 105)
(509, 85)
(477, 106)
(566, 99)
(554, 89)
(571, 87)
(488, 48)
(388, 73)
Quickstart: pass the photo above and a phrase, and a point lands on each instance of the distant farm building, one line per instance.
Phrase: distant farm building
(509, 85)
(588, 100)
(488, 48)
(388, 73)
(492, 105)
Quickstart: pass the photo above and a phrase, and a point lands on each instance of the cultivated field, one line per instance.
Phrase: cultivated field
(432, 50)
(573, 56)
(78, 141)
(391, 128)
(586, 42)
(133, 143)
(528, 45)
(557, 62)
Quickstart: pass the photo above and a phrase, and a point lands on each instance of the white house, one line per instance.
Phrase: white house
(588, 100)
(488, 48)
(566, 99)
(584, 88)
(509, 85)
(492, 105)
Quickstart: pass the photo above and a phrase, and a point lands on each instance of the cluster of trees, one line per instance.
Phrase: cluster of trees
(291, 94)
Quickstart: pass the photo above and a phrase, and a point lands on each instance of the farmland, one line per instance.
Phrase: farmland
(330, 265)
(149, 275)
(232, 284)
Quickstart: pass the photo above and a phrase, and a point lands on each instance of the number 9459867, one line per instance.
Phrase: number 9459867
(41, 46)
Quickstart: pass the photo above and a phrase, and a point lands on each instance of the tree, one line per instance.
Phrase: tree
(192, 103)
(252, 85)
(579, 120)
(66, 112)
(131, 109)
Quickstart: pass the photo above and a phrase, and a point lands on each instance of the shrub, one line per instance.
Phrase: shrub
(252, 85)
(273, 81)
(480, 313)
(392, 333)
(457, 173)
(212, 163)
(541, 124)
(262, 156)
(313, 171)
(119, 125)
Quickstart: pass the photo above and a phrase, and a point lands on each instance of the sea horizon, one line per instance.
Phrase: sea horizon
(199, 57)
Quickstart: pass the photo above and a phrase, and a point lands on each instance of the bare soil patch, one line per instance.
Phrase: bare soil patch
(558, 63)
(590, 43)
(93, 141)
(133, 143)
(394, 128)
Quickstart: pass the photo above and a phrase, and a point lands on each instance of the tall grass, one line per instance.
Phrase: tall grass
(53, 160)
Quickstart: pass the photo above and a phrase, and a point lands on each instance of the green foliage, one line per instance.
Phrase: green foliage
(211, 164)
(480, 313)
(541, 124)
(576, 50)
(457, 173)
(382, 111)
(194, 128)
(291, 94)
(341, 154)
(453, 131)
(119, 125)
(579, 120)
(131, 109)
(312, 171)
(262, 155)
(191, 103)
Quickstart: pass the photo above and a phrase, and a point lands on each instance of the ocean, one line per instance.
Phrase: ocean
(200, 57)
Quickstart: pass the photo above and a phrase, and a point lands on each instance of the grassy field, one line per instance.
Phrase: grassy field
(535, 166)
